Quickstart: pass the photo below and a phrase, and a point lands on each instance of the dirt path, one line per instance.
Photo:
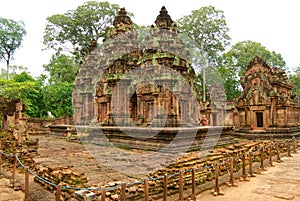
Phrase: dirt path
(7, 193)
(278, 183)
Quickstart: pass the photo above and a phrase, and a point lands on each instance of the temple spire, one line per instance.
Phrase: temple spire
(122, 23)
(163, 20)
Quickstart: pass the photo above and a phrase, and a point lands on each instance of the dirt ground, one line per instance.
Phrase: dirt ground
(278, 183)
(7, 193)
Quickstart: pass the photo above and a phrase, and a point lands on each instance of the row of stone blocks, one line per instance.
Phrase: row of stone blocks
(188, 161)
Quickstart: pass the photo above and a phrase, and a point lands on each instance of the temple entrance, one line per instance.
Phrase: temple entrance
(148, 111)
(103, 112)
(133, 107)
(214, 118)
(259, 120)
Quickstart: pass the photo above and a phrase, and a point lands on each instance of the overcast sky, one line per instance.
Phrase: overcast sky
(273, 23)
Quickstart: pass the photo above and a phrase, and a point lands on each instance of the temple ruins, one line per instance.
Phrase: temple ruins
(138, 83)
(267, 103)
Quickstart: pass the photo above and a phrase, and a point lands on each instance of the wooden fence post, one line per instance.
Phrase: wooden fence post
(262, 158)
(0, 164)
(270, 156)
(216, 187)
(244, 166)
(165, 188)
(231, 176)
(250, 165)
(289, 149)
(294, 145)
(58, 192)
(102, 194)
(146, 190)
(278, 153)
(181, 185)
(123, 192)
(193, 184)
(13, 176)
(26, 191)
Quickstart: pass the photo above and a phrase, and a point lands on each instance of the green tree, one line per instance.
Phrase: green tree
(14, 69)
(22, 86)
(58, 99)
(62, 68)
(295, 79)
(75, 30)
(11, 37)
(208, 32)
(57, 93)
(233, 63)
(241, 54)
(207, 29)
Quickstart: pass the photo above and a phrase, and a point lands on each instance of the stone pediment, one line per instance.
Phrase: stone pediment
(280, 77)
(258, 61)
(256, 95)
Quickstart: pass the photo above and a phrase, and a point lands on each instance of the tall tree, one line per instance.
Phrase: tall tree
(22, 86)
(58, 99)
(76, 30)
(62, 68)
(57, 94)
(295, 78)
(233, 63)
(207, 28)
(208, 31)
(241, 54)
(11, 37)
(14, 70)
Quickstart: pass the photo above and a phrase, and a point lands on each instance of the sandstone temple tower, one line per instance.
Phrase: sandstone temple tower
(267, 103)
(136, 79)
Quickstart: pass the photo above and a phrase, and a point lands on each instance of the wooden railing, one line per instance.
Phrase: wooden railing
(271, 150)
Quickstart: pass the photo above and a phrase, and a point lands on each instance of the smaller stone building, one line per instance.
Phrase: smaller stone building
(10, 112)
(267, 102)
(13, 118)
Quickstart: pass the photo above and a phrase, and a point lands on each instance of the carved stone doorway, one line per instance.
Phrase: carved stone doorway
(259, 120)
(133, 107)
(148, 112)
(214, 118)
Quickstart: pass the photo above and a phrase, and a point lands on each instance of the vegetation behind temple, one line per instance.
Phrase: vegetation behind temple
(74, 32)
(40, 94)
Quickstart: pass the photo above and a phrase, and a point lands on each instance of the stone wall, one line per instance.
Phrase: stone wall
(203, 176)
(62, 175)
(40, 126)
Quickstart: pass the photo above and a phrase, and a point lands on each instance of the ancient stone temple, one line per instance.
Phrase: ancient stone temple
(138, 79)
(13, 118)
(267, 103)
(10, 112)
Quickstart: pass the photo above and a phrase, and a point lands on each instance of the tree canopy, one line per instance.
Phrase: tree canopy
(295, 79)
(233, 63)
(241, 54)
(11, 37)
(208, 32)
(62, 68)
(207, 29)
(22, 86)
(75, 30)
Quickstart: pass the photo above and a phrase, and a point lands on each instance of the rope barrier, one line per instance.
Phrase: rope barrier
(7, 155)
(149, 179)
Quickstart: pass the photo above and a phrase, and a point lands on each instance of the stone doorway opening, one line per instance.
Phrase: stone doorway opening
(133, 106)
(259, 120)
(214, 118)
